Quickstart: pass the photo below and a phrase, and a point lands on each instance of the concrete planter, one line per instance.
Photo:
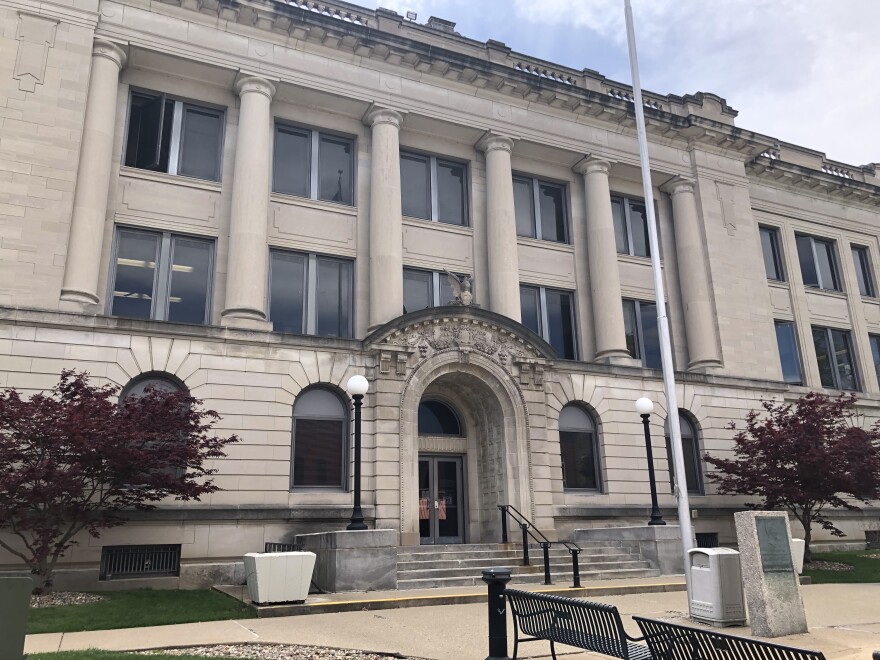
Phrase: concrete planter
(279, 577)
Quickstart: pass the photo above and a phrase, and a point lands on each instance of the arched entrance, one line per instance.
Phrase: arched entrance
(459, 479)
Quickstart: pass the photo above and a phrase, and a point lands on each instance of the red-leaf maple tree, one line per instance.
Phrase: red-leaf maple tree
(73, 459)
(806, 457)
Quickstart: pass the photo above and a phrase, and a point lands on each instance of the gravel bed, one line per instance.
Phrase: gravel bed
(274, 652)
(819, 565)
(58, 598)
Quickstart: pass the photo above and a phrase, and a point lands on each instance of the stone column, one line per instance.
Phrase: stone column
(83, 262)
(247, 265)
(604, 271)
(693, 276)
(386, 225)
(501, 238)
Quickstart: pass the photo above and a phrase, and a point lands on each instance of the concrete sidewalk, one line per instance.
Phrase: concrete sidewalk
(844, 623)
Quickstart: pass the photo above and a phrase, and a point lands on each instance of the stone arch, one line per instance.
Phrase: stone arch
(496, 416)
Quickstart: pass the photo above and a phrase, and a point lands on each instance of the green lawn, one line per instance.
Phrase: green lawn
(108, 655)
(137, 608)
(867, 569)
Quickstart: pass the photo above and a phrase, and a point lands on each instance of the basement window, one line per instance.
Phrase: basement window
(119, 562)
(172, 136)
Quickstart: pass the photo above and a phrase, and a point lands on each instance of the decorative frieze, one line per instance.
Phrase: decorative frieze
(35, 35)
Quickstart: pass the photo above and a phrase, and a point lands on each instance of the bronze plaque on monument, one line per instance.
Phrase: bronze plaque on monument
(773, 542)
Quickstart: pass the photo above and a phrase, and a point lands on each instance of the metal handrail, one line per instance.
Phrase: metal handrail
(527, 526)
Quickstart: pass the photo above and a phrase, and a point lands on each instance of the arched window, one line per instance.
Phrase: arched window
(579, 449)
(690, 447)
(436, 418)
(153, 379)
(320, 440)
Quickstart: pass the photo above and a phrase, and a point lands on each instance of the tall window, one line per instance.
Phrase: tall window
(786, 340)
(875, 353)
(425, 288)
(177, 137)
(834, 356)
(630, 226)
(550, 313)
(642, 335)
(433, 189)
(161, 276)
(320, 440)
(579, 449)
(312, 164)
(437, 418)
(310, 294)
(540, 209)
(772, 254)
(864, 274)
(690, 446)
(818, 263)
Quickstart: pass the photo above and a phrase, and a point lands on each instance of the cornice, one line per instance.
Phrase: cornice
(830, 181)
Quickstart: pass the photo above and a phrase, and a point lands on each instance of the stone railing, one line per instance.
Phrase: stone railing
(338, 12)
(542, 72)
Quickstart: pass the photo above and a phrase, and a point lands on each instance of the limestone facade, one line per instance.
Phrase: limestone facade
(386, 86)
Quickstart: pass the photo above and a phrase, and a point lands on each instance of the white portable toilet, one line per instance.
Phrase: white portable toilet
(716, 587)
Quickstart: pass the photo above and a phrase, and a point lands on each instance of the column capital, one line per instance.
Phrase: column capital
(492, 141)
(679, 184)
(247, 84)
(381, 115)
(593, 165)
(111, 51)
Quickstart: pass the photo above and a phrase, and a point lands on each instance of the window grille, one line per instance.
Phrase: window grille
(134, 561)
(707, 539)
(283, 547)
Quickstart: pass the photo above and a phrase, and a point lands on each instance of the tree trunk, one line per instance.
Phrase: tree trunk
(43, 577)
(807, 537)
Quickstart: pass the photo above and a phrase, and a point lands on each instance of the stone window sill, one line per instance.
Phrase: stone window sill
(439, 226)
(318, 204)
(548, 245)
(173, 179)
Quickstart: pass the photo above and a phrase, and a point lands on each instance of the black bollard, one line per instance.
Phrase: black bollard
(546, 547)
(496, 578)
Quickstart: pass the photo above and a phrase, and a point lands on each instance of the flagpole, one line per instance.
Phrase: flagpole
(681, 494)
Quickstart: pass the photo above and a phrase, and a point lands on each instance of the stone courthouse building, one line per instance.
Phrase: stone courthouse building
(255, 200)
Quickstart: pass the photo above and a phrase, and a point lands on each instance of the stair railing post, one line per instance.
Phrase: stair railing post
(496, 578)
(503, 509)
(574, 568)
(546, 547)
(525, 533)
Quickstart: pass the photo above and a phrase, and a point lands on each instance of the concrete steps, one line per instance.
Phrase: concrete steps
(428, 566)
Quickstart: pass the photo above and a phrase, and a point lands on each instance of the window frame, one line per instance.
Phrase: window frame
(832, 355)
(314, 160)
(535, 184)
(544, 317)
(345, 402)
(310, 292)
(626, 200)
(177, 136)
(597, 458)
(461, 431)
(436, 285)
(837, 282)
(797, 351)
(163, 272)
(775, 250)
(640, 336)
(863, 266)
(433, 200)
(874, 343)
(696, 455)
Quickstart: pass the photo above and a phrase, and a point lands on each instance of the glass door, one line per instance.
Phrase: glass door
(441, 510)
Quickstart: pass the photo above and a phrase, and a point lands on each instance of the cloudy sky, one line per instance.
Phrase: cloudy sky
(802, 71)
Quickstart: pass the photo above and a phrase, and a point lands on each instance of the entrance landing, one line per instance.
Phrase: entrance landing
(386, 600)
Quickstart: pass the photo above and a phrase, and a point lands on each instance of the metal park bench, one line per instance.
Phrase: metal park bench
(669, 641)
(589, 626)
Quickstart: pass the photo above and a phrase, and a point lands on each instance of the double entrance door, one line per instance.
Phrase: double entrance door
(441, 504)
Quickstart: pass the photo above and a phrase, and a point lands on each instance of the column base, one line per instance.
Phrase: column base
(617, 357)
(353, 560)
(80, 302)
(704, 366)
(246, 323)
